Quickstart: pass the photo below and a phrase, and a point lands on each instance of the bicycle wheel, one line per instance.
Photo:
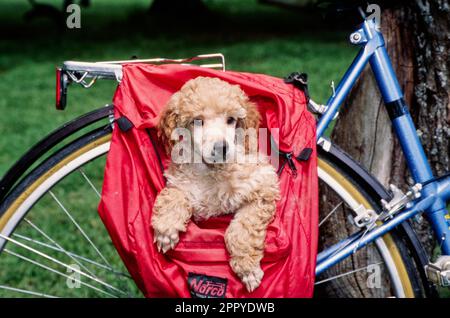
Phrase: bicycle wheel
(39, 259)
(385, 268)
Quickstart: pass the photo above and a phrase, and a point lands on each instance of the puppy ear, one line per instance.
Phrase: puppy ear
(252, 117)
(250, 121)
(168, 121)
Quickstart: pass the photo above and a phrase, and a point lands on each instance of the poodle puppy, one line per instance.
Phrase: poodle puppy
(227, 177)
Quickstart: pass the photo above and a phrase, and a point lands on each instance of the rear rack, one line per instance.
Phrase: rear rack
(87, 73)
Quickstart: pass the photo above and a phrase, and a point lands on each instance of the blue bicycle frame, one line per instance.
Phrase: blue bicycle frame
(434, 194)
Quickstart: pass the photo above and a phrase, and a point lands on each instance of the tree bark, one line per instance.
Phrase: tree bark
(417, 35)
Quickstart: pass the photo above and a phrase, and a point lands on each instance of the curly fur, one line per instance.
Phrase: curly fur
(202, 190)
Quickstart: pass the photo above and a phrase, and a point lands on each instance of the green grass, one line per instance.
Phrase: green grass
(253, 37)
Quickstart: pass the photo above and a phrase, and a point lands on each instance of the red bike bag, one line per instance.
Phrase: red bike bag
(198, 266)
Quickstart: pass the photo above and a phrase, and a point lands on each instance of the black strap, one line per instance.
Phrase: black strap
(299, 80)
(304, 155)
(288, 159)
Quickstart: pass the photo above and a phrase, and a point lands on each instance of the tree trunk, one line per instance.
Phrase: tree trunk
(417, 35)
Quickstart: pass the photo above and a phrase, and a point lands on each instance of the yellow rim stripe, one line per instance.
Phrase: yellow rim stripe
(387, 238)
(33, 186)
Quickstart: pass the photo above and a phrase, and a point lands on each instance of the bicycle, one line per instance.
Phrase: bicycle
(379, 219)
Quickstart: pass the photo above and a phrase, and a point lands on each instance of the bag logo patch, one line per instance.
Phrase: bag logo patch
(203, 286)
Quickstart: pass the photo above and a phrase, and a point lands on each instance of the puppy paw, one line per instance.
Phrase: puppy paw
(166, 240)
(253, 279)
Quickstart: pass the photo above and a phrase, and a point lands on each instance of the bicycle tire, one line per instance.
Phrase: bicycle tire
(411, 279)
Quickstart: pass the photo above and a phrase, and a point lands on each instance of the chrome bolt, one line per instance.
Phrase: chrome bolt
(355, 37)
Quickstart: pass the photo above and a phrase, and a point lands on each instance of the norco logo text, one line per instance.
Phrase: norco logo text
(203, 286)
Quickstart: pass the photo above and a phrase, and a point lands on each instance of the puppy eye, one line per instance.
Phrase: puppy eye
(197, 122)
(231, 120)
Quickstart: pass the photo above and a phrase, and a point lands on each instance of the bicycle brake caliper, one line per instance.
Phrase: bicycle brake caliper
(399, 199)
(364, 216)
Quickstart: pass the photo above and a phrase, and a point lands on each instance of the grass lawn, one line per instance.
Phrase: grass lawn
(252, 37)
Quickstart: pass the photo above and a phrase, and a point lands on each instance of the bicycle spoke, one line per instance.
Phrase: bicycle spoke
(331, 213)
(24, 291)
(346, 273)
(55, 248)
(36, 228)
(29, 260)
(360, 233)
(79, 228)
(370, 227)
(89, 182)
(61, 263)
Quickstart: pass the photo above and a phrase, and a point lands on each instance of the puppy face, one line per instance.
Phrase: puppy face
(214, 133)
(212, 110)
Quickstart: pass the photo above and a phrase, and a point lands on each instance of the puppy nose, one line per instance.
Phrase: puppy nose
(220, 148)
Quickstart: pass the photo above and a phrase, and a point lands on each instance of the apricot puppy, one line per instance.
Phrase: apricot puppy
(217, 172)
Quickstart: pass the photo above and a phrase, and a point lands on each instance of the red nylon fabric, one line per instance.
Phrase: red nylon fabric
(133, 178)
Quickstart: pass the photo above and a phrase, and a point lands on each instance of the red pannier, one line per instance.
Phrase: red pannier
(198, 266)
